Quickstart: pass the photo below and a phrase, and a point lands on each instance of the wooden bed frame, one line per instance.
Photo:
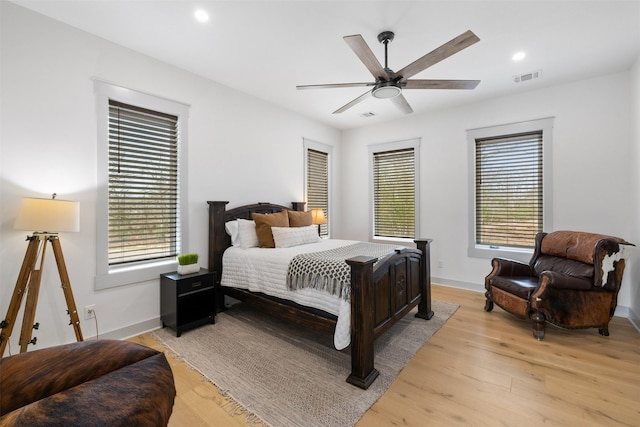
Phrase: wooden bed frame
(380, 297)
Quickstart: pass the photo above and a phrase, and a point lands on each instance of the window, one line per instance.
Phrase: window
(509, 186)
(143, 184)
(141, 198)
(394, 180)
(317, 180)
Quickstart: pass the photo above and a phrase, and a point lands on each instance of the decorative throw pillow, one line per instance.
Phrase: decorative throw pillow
(264, 222)
(247, 234)
(285, 237)
(299, 219)
(232, 230)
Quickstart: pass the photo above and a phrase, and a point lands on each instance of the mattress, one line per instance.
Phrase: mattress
(265, 270)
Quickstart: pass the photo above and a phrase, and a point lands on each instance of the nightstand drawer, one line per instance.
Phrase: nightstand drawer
(194, 284)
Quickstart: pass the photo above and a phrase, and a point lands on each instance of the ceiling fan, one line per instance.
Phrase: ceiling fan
(389, 84)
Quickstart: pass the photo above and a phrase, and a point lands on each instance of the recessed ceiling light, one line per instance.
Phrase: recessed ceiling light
(519, 56)
(201, 15)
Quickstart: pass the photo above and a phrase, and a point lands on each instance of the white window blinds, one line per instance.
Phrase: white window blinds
(509, 187)
(318, 184)
(143, 184)
(394, 191)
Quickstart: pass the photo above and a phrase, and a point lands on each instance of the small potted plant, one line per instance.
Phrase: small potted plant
(188, 263)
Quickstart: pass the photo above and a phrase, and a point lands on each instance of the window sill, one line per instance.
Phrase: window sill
(390, 240)
(487, 252)
(121, 276)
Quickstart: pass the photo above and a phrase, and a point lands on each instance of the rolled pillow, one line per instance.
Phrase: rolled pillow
(285, 237)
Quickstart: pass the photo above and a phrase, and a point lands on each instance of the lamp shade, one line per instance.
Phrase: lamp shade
(48, 215)
(317, 216)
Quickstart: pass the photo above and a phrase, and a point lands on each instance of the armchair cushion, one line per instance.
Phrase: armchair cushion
(520, 286)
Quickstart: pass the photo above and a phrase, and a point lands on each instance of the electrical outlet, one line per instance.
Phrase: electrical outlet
(89, 312)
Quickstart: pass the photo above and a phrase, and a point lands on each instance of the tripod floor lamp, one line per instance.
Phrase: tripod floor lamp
(55, 216)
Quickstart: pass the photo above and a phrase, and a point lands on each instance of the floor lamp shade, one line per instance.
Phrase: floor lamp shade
(48, 215)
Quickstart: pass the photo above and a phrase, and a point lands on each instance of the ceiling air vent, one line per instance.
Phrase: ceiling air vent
(528, 76)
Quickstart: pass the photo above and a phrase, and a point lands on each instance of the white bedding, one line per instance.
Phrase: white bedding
(265, 270)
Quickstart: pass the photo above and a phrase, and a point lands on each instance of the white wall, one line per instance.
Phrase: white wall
(592, 154)
(634, 315)
(241, 149)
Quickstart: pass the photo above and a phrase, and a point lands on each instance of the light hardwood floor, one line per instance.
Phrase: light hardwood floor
(480, 369)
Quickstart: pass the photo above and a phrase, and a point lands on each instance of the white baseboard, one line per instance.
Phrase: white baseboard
(634, 318)
(128, 331)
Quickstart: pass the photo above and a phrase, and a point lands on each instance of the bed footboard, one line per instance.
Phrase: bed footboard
(380, 297)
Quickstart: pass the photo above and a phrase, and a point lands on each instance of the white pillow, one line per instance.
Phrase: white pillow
(232, 230)
(285, 237)
(247, 234)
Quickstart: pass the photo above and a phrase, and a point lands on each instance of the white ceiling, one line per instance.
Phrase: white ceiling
(266, 48)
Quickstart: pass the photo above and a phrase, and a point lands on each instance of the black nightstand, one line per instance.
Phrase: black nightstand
(187, 301)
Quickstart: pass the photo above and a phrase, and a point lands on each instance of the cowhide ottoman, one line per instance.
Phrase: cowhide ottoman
(92, 383)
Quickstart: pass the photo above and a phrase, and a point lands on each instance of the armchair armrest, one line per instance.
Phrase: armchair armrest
(510, 268)
(564, 281)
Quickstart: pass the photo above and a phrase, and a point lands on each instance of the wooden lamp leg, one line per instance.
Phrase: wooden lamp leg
(19, 290)
(66, 287)
(29, 281)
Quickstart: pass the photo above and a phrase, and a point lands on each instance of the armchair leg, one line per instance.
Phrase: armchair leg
(488, 305)
(604, 331)
(538, 326)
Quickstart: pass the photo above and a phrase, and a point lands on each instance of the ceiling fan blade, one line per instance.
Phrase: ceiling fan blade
(441, 84)
(455, 45)
(401, 102)
(334, 85)
(361, 98)
(362, 50)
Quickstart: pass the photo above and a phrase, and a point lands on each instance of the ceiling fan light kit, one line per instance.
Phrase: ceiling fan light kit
(386, 91)
(389, 84)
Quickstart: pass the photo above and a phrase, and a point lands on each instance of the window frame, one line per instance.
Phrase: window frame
(544, 125)
(328, 150)
(119, 275)
(414, 144)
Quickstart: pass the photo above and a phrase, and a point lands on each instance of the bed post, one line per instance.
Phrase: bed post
(363, 373)
(424, 306)
(217, 246)
(299, 206)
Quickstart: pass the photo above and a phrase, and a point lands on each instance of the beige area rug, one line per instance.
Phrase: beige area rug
(289, 376)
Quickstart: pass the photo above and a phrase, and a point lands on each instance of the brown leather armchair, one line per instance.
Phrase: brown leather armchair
(572, 281)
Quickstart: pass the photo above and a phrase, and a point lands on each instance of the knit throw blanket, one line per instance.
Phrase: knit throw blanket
(328, 271)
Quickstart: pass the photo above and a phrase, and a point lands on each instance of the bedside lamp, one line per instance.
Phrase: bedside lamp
(45, 218)
(317, 217)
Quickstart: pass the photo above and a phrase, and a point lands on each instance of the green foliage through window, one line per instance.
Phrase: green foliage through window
(143, 184)
(509, 199)
(394, 193)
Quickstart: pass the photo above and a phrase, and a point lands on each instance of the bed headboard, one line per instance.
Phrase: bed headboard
(219, 240)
